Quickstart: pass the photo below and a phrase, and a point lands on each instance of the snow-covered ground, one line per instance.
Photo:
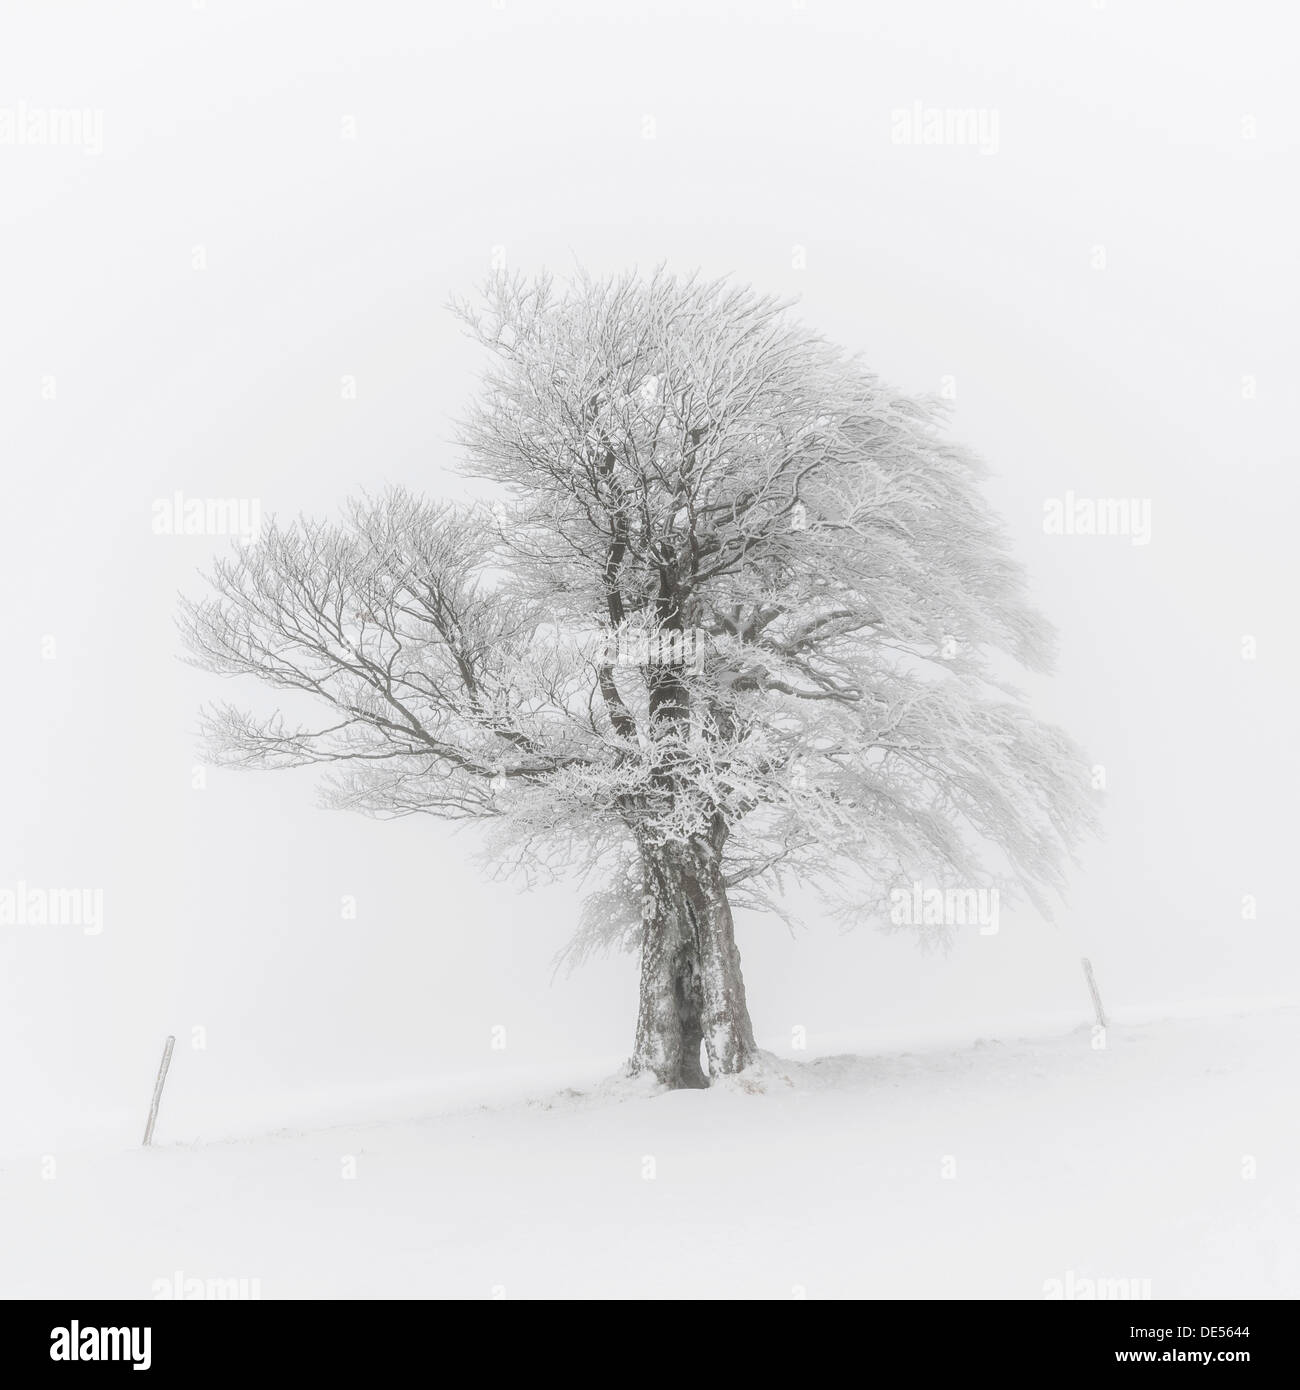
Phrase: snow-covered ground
(983, 1171)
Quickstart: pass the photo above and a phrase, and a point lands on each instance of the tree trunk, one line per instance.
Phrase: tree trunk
(691, 986)
(668, 1031)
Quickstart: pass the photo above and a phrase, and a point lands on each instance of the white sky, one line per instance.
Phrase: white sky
(1164, 133)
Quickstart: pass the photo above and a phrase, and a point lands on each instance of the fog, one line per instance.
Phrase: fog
(229, 280)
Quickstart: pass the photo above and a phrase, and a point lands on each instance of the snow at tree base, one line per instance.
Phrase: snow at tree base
(1025, 1168)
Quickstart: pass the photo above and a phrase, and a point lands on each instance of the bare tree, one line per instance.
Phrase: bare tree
(738, 617)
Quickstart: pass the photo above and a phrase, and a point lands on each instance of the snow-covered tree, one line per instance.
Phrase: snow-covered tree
(733, 614)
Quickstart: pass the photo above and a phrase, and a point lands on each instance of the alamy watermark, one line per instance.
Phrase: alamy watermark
(919, 124)
(179, 515)
(177, 1287)
(25, 906)
(77, 1343)
(646, 646)
(919, 906)
(1098, 516)
(1075, 1288)
(47, 126)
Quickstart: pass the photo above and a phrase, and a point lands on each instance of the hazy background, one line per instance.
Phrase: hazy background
(286, 196)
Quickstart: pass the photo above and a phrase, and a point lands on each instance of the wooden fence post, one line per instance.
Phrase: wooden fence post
(158, 1090)
(1092, 988)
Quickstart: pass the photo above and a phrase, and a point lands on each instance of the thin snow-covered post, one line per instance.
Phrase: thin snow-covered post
(1092, 989)
(158, 1089)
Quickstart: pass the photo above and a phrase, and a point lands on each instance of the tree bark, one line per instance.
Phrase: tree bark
(692, 990)
(668, 1030)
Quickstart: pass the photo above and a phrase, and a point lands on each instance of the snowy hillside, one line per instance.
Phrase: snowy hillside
(981, 1172)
